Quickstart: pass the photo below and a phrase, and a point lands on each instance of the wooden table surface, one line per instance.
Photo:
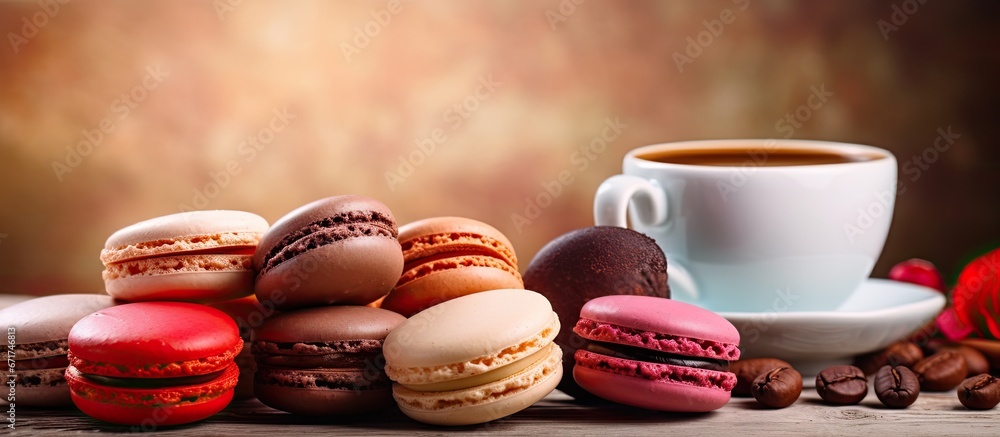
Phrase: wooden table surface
(932, 414)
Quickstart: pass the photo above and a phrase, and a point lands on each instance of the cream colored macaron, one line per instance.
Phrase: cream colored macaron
(196, 256)
(475, 358)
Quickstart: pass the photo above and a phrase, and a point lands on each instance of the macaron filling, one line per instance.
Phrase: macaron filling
(454, 262)
(152, 382)
(329, 230)
(652, 356)
(42, 363)
(665, 373)
(436, 246)
(488, 377)
(617, 334)
(87, 389)
(328, 379)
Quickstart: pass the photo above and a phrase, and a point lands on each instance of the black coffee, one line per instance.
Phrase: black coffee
(736, 157)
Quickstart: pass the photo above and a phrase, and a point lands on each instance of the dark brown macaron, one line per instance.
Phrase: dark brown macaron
(39, 329)
(338, 250)
(588, 263)
(324, 361)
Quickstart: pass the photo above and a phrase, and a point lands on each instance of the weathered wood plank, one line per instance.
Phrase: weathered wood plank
(932, 414)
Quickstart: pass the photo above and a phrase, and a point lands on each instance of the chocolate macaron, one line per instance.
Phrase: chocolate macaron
(39, 330)
(589, 263)
(338, 250)
(324, 360)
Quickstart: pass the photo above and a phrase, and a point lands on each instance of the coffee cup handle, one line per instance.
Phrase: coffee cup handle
(650, 200)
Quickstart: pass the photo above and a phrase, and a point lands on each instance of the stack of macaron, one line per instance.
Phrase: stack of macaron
(321, 264)
(163, 357)
(344, 277)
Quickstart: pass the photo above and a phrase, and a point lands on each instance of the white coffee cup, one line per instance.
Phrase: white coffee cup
(751, 235)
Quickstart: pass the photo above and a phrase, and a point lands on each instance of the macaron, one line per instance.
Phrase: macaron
(153, 363)
(475, 358)
(448, 257)
(338, 250)
(324, 361)
(196, 256)
(39, 329)
(248, 313)
(656, 353)
(592, 262)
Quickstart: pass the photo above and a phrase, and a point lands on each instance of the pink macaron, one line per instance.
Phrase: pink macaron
(656, 353)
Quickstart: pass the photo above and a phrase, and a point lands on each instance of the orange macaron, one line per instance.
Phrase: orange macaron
(449, 257)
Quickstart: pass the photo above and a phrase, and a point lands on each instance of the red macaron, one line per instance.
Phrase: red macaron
(656, 353)
(153, 363)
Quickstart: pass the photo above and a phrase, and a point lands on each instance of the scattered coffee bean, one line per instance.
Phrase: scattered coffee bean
(989, 348)
(903, 353)
(778, 388)
(896, 386)
(842, 385)
(975, 362)
(942, 371)
(749, 369)
(980, 392)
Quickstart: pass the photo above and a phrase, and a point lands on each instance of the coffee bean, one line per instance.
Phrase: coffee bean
(778, 388)
(975, 360)
(896, 386)
(842, 385)
(989, 348)
(941, 372)
(748, 370)
(980, 392)
(903, 353)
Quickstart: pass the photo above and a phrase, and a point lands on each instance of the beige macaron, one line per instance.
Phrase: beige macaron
(475, 358)
(197, 256)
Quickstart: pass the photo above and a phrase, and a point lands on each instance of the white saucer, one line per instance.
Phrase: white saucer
(879, 313)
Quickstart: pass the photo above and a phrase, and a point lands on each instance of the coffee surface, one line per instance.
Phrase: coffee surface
(757, 157)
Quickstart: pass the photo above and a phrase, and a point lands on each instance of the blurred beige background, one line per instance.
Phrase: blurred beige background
(470, 107)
